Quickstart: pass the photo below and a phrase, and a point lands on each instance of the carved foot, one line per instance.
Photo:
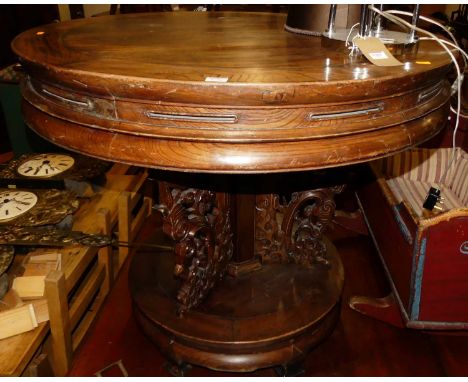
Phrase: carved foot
(177, 370)
(384, 309)
(292, 370)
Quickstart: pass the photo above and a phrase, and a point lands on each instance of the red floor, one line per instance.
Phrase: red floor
(360, 346)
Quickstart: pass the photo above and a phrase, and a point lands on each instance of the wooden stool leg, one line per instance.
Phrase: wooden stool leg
(39, 367)
(125, 221)
(129, 225)
(62, 347)
(105, 253)
(294, 370)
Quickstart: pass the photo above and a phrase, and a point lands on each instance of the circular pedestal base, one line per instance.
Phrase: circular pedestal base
(265, 318)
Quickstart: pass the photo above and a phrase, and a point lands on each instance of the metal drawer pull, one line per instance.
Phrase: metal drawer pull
(429, 93)
(344, 114)
(227, 118)
(59, 97)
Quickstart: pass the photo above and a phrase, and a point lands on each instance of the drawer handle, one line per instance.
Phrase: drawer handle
(429, 93)
(68, 100)
(343, 114)
(226, 118)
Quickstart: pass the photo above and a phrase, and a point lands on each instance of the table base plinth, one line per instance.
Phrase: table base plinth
(269, 317)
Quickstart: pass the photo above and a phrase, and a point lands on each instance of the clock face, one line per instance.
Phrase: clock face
(15, 203)
(45, 165)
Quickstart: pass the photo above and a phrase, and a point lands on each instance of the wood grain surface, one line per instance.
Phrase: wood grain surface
(224, 92)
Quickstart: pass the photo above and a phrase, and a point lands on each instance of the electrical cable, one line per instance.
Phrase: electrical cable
(349, 34)
(397, 20)
(465, 55)
(390, 15)
(455, 45)
(461, 114)
(457, 113)
(429, 20)
(353, 46)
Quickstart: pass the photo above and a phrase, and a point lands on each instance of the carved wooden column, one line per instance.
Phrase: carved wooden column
(292, 230)
(269, 229)
(200, 224)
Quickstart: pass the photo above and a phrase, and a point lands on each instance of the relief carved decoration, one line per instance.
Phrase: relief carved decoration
(291, 230)
(199, 222)
(50, 235)
(269, 237)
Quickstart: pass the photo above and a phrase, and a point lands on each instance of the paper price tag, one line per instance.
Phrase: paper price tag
(376, 52)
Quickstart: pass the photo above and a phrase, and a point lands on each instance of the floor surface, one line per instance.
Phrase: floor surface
(359, 346)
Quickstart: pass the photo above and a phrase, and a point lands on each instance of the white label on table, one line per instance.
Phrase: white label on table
(216, 79)
(378, 55)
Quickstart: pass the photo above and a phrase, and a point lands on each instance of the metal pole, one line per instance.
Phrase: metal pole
(412, 36)
(369, 21)
(331, 20)
(363, 20)
(378, 21)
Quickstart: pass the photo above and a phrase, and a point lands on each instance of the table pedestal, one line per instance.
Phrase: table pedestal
(252, 283)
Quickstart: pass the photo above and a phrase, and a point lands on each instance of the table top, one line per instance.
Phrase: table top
(223, 92)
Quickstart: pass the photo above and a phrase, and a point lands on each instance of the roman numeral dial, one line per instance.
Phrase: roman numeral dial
(45, 165)
(15, 203)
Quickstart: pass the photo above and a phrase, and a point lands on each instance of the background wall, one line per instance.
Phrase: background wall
(89, 10)
(93, 9)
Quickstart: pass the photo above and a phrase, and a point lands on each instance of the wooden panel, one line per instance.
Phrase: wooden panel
(16, 352)
(108, 199)
(80, 333)
(17, 320)
(75, 262)
(84, 295)
(28, 287)
(443, 285)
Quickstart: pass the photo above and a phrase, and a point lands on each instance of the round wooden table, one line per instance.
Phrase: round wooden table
(222, 101)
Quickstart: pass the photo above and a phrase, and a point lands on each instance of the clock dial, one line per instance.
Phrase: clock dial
(15, 203)
(45, 165)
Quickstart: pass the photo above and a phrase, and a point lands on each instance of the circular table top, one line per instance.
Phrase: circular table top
(223, 92)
